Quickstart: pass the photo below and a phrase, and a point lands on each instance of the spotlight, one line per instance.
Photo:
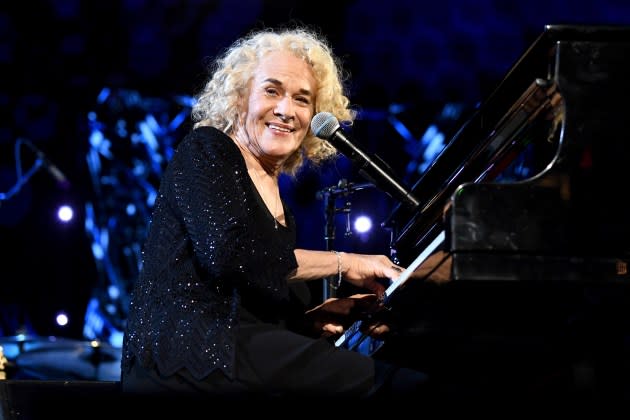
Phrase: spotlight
(61, 319)
(362, 224)
(65, 213)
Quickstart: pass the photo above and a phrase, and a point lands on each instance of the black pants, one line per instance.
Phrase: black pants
(274, 362)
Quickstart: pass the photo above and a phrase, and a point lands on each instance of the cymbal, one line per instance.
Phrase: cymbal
(14, 345)
(18, 338)
(70, 360)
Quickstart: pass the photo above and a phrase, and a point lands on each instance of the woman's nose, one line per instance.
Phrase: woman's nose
(284, 109)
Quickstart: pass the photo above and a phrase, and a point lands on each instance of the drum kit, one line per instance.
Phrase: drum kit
(54, 358)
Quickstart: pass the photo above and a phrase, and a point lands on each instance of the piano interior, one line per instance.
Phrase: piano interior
(527, 294)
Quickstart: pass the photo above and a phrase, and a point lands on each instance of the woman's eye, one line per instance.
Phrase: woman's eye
(303, 100)
(271, 91)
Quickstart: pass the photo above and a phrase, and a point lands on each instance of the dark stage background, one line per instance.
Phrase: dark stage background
(102, 89)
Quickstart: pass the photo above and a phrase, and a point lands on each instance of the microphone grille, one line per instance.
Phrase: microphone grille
(324, 125)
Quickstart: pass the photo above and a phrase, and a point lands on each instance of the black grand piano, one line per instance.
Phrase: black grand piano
(518, 252)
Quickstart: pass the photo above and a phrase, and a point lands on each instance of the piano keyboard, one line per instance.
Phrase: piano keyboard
(353, 338)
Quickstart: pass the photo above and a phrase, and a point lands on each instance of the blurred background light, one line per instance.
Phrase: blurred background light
(362, 224)
(65, 213)
(62, 319)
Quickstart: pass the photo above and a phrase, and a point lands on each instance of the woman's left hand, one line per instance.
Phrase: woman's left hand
(334, 315)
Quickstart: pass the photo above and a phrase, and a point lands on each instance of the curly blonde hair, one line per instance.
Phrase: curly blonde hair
(217, 104)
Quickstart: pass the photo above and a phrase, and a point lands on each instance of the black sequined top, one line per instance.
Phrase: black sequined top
(212, 249)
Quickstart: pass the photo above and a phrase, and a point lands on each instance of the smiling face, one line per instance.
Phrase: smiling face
(280, 107)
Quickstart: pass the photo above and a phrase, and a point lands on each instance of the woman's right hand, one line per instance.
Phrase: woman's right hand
(364, 271)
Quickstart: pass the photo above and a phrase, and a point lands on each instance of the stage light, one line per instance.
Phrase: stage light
(362, 224)
(61, 319)
(65, 213)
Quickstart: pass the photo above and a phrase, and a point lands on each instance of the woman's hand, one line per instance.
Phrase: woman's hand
(363, 271)
(334, 315)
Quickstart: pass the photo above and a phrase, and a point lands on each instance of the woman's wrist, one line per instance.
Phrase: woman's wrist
(339, 275)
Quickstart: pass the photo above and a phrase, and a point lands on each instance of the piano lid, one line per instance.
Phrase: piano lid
(561, 114)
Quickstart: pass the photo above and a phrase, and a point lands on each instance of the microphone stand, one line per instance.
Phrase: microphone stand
(330, 195)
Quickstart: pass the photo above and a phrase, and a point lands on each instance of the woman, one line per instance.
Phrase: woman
(215, 309)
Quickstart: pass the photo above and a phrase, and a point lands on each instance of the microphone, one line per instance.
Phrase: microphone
(52, 169)
(326, 126)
